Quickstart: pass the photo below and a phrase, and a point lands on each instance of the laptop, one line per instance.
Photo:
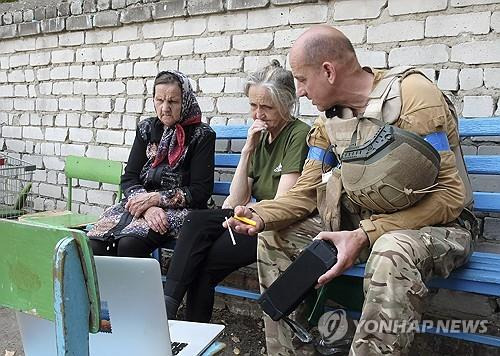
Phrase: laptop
(133, 317)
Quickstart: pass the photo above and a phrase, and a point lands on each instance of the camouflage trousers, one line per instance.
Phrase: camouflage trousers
(398, 265)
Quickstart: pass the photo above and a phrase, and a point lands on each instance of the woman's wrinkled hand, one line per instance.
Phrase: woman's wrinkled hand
(156, 219)
(253, 135)
(138, 204)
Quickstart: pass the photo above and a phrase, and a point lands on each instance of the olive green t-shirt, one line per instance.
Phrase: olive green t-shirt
(286, 154)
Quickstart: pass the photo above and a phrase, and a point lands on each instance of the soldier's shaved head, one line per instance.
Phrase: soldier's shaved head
(324, 43)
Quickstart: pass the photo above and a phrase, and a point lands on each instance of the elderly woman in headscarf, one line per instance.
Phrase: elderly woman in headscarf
(170, 171)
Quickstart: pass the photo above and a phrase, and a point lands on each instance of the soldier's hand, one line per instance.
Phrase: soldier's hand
(349, 245)
(243, 228)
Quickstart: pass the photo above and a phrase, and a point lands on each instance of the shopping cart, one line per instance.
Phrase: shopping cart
(15, 186)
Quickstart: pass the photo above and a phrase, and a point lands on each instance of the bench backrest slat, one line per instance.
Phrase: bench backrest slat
(27, 268)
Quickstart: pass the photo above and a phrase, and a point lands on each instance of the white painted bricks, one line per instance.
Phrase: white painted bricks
(448, 79)
(229, 64)
(110, 88)
(395, 31)
(471, 78)
(268, 18)
(211, 85)
(308, 14)
(114, 53)
(401, 7)
(142, 50)
(212, 44)
(191, 27)
(158, 30)
(453, 25)
(233, 105)
(357, 9)
(355, 33)
(110, 137)
(254, 41)
(492, 77)
(476, 52)
(416, 55)
(237, 21)
(477, 106)
(177, 48)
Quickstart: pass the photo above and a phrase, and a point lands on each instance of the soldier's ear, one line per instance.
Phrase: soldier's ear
(329, 72)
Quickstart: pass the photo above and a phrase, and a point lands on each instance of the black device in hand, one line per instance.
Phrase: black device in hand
(291, 288)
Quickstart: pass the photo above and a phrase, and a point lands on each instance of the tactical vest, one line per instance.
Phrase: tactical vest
(384, 104)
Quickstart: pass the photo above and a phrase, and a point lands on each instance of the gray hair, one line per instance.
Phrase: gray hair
(280, 84)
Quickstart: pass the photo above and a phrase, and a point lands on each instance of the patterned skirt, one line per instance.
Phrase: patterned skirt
(116, 222)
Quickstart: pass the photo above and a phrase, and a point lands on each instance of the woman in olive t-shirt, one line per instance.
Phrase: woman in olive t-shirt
(270, 164)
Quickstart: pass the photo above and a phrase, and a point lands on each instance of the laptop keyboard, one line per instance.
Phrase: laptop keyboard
(177, 347)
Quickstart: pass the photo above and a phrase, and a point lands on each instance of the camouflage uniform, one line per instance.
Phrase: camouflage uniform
(406, 249)
(399, 264)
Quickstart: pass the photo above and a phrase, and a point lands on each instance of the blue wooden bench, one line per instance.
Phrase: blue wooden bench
(481, 275)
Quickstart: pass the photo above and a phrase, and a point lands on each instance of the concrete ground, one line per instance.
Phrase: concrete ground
(10, 339)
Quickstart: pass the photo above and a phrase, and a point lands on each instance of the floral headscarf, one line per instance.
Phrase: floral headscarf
(171, 145)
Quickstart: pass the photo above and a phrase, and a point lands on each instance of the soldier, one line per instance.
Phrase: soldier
(383, 211)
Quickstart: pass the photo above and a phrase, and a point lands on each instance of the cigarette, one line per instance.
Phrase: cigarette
(230, 231)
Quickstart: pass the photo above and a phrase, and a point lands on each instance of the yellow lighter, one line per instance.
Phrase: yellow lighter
(245, 220)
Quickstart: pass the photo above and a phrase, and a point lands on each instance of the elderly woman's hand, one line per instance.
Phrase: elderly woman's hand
(156, 219)
(253, 136)
(138, 204)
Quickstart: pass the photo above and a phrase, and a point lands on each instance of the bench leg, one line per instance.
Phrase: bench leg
(71, 303)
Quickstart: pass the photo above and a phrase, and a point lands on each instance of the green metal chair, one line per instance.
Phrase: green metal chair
(49, 272)
(91, 169)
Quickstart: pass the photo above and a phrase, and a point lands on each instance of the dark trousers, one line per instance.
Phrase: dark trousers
(204, 255)
(130, 246)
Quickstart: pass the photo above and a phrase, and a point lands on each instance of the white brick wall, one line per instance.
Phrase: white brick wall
(126, 33)
(477, 106)
(416, 55)
(110, 137)
(448, 79)
(211, 85)
(268, 18)
(83, 92)
(253, 41)
(229, 64)
(191, 27)
(395, 31)
(492, 77)
(192, 66)
(233, 105)
(232, 22)
(308, 14)
(143, 50)
(453, 25)
(114, 53)
(470, 78)
(357, 9)
(286, 38)
(158, 30)
(177, 48)
(477, 52)
(110, 88)
(145, 69)
(212, 44)
(98, 104)
(402, 7)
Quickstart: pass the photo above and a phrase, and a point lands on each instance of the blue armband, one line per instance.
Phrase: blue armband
(438, 140)
(322, 155)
